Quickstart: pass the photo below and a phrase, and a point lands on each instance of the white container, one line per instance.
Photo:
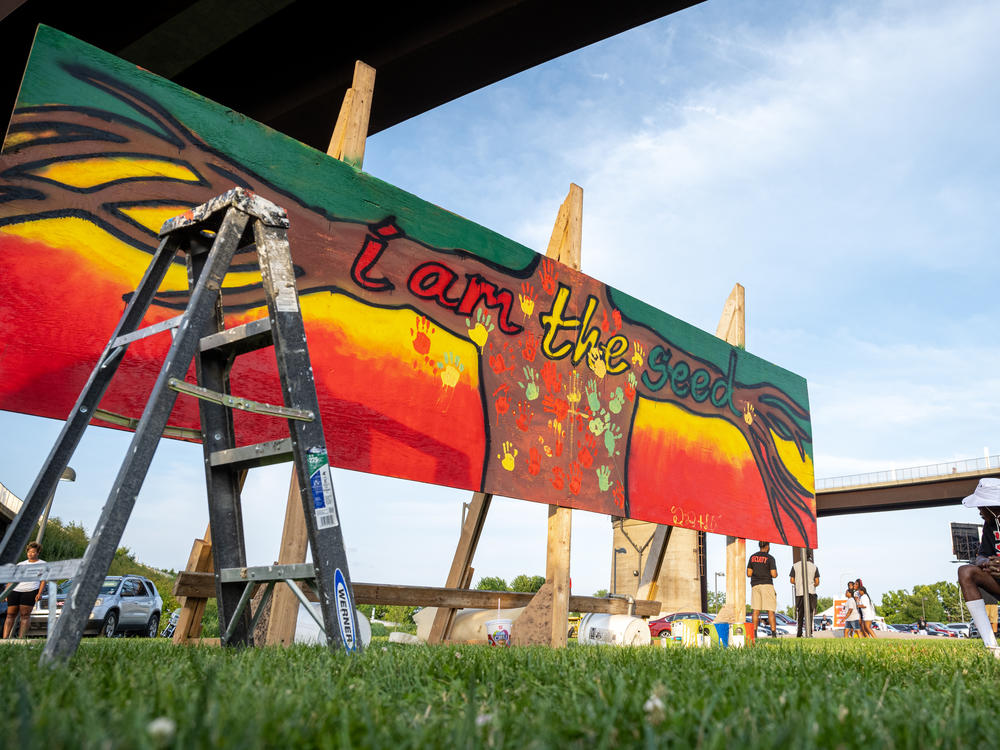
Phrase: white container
(498, 631)
(613, 630)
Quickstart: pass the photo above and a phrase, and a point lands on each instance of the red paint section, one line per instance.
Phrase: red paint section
(667, 475)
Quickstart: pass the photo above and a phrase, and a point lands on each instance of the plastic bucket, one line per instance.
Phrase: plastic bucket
(613, 630)
(498, 632)
(722, 628)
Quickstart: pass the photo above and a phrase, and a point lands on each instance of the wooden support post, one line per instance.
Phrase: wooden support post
(294, 543)
(732, 328)
(200, 560)
(348, 145)
(460, 574)
(650, 575)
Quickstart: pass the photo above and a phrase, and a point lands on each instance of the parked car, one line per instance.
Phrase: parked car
(900, 628)
(962, 628)
(125, 604)
(938, 629)
(662, 625)
(764, 631)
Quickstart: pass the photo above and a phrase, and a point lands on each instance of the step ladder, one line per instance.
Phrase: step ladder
(209, 236)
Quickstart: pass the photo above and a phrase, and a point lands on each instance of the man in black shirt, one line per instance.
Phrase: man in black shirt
(761, 570)
(984, 573)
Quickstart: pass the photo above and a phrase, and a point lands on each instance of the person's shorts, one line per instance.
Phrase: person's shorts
(853, 624)
(762, 597)
(21, 598)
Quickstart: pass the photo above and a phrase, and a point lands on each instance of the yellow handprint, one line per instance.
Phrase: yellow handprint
(574, 395)
(507, 458)
(748, 412)
(595, 358)
(640, 353)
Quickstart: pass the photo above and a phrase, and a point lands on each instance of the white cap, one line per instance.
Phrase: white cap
(987, 494)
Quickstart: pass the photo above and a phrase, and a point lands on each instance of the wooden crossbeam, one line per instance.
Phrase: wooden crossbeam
(203, 585)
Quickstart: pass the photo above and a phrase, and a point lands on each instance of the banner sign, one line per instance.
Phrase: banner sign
(442, 351)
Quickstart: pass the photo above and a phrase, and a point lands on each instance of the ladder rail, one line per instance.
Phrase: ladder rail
(121, 499)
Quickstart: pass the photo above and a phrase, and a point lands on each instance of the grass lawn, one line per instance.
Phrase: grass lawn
(791, 694)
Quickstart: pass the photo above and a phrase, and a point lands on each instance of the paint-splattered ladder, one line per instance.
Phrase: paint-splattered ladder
(209, 236)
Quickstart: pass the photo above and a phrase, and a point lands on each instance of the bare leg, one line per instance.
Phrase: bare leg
(8, 624)
(755, 618)
(25, 620)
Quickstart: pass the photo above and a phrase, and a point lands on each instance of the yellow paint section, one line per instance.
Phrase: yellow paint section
(106, 254)
(717, 437)
(93, 171)
(376, 333)
(801, 468)
(153, 217)
(24, 136)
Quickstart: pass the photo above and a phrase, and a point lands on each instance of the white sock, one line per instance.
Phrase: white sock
(977, 608)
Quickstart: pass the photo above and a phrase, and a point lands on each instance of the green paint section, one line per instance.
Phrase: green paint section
(316, 180)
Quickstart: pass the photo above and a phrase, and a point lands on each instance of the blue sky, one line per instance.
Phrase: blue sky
(837, 159)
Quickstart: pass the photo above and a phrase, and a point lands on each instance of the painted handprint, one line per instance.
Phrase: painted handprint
(481, 330)
(575, 478)
(498, 364)
(573, 395)
(552, 377)
(557, 477)
(617, 400)
(502, 399)
(592, 399)
(421, 333)
(586, 453)
(630, 383)
(604, 478)
(619, 495)
(599, 423)
(612, 434)
(560, 433)
(748, 413)
(534, 461)
(507, 456)
(595, 360)
(557, 406)
(527, 299)
(638, 355)
(451, 369)
(547, 272)
(616, 318)
(530, 384)
(523, 415)
(530, 347)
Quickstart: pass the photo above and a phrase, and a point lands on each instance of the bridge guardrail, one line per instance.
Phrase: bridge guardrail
(910, 474)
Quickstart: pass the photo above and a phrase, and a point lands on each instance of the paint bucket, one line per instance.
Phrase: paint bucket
(737, 635)
(498, 631)
(722, 628)
(613, 630)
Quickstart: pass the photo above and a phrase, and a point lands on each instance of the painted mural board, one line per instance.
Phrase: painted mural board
(443, 352)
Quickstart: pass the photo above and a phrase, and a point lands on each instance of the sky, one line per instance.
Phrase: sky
(838, 159)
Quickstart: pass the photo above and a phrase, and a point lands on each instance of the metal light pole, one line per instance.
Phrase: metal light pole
(614, 568)
(717, 575)
(68, 475)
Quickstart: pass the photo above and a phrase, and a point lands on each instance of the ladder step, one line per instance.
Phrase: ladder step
(253, 456)
(141, 333)
(240, 339)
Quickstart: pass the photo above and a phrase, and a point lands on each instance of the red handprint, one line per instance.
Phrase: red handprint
(586, 453)
(552, 377)
(502, 402)
(534, 461)
(530, 347)
(524, 415)
(616, 316)
(557, 478)
(498, 365)
(557, 406)
(548, 275)
(575, 478)
(619, 495)
(605, 324)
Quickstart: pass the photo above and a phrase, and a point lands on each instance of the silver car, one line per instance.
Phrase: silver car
(125, 604)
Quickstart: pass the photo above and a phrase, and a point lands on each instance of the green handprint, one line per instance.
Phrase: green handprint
(592, 399)
(612, 434)
(530, 385)
(604, 478)
(617, 399)
(481, 330)
(599, 423)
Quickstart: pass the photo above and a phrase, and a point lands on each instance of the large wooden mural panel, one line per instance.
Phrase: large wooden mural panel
(443, 352)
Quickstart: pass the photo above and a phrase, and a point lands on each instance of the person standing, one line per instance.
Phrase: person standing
(762, 570)
(984, 573)
(22, 599)
(852, 620)
(866, 610)
(812, 579)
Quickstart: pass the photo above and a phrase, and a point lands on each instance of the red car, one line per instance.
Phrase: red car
(662, 625)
